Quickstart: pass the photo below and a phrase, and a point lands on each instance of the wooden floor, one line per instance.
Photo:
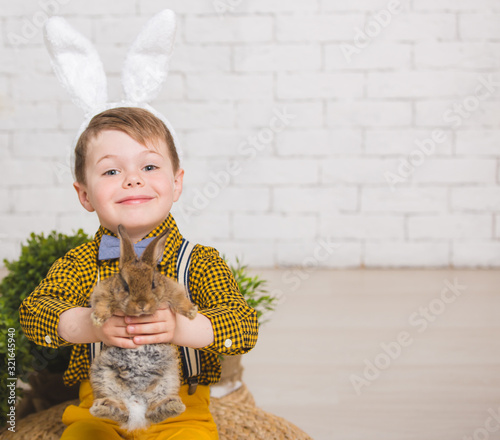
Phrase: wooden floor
(382, 355)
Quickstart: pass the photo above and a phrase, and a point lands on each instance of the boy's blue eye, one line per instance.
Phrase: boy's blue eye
(111, 173)
(150, 167)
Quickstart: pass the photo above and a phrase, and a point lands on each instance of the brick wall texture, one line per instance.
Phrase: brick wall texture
(318, 133)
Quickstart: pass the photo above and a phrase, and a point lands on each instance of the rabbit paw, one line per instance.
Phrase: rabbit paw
(192, 312)
(169, 407)
(109, 409)
(96, 320)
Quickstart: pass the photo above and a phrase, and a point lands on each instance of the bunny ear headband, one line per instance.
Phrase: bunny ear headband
(79, 69)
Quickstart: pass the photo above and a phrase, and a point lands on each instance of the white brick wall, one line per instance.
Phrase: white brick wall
(412, 96)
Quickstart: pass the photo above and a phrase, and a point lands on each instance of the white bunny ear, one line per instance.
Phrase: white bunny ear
(146, 65)
(76, 64)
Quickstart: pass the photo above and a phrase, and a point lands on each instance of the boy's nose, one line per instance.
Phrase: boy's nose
(132, 181)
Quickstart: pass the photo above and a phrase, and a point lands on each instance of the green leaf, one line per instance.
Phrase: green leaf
(24, 275)
(254, 291)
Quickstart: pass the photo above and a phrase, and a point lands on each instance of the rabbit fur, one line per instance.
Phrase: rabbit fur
(136, 387)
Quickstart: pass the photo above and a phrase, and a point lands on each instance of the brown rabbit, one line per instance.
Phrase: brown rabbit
(136, 387)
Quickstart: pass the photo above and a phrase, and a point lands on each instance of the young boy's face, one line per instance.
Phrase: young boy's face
(128, 183)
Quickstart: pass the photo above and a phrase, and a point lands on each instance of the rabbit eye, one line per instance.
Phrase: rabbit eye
(125, 284)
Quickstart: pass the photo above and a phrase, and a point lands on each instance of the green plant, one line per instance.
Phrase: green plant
(24, 274)
(254, 291)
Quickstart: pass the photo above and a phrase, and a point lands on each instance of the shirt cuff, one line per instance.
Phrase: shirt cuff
(232, 334)
(45, 333)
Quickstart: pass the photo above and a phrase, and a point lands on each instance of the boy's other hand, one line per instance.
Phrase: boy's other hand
(152, 329)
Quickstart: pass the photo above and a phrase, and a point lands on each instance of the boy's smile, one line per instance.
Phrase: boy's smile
(129, 183)
(134, 200)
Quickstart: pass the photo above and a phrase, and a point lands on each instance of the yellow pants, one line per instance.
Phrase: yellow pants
(194, 423)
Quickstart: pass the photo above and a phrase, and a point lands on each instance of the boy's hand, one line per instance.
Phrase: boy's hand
(114, 332)
(75, 326)
(152, 329)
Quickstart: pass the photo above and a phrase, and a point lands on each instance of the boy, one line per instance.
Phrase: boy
(127, 171)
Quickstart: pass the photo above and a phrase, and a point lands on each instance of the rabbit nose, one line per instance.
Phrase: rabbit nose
(141, 304)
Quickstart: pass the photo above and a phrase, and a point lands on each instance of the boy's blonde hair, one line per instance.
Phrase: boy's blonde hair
(140, 124)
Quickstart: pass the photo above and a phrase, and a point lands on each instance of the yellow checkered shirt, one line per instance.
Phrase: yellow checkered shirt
(71, 279)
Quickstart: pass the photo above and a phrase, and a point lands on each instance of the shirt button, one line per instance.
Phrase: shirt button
(48, 340)
(228, 343)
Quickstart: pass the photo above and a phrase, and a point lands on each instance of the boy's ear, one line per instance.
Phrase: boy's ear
(178, 179)
(83, 196)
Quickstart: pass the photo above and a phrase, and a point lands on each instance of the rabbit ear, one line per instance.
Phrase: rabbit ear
(127, 252)
(146, 65)
(154, 250)
(76, 64)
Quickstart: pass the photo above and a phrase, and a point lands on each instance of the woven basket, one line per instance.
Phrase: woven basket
(239, 396)
(236, 416)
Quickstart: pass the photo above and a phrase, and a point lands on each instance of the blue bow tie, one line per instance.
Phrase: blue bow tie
(110, 247)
